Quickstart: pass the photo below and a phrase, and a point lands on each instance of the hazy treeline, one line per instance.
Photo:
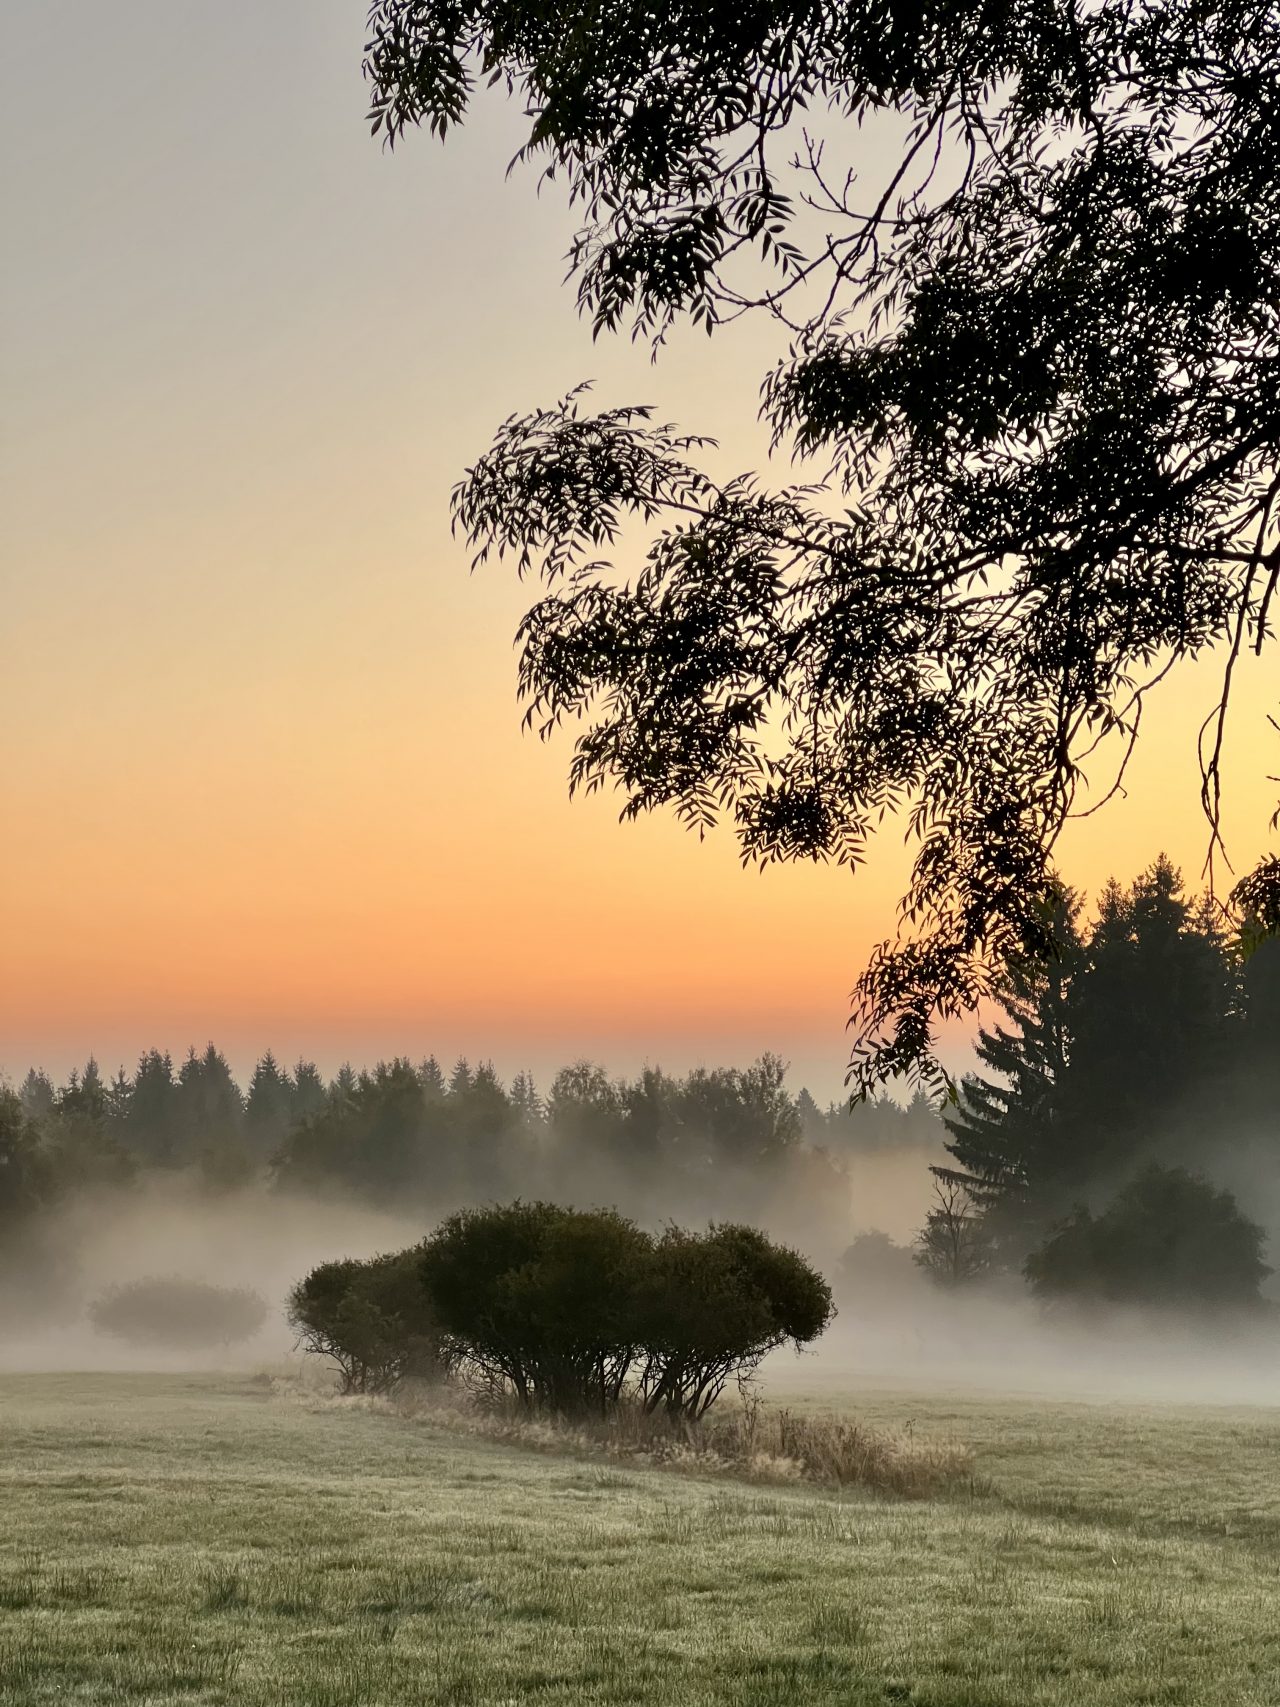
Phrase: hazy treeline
(408, 1135)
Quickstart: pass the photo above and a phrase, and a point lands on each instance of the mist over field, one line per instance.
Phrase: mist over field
(266, 1240)
(896, 1328)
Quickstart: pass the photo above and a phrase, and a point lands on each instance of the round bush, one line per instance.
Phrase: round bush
(178, 1315)
(714, 1305)
(371, 1318)
(541, 1298)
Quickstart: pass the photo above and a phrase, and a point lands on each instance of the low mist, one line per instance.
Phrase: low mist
(896, 1327)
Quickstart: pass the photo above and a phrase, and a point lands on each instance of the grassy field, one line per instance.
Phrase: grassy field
(171, 1539)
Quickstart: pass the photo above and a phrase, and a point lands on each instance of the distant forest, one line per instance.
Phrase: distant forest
(408, 1135)
(1153, 1042)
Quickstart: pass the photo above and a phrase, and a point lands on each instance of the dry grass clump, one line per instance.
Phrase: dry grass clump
(751, 1440)
(840, 1452)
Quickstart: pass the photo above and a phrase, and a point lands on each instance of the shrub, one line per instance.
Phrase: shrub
(714, 1304)
(1169, 1237)
(178, 1315)
(874, 1265)
(371, 1318)
(565, 1310)
(541, 1298)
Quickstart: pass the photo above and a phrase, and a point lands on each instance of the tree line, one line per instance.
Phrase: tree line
(409, 1134)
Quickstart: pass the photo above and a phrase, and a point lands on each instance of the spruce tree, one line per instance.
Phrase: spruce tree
(1006, 1135)
(308, 1096)
(268, 1107)
(37, 1095)
(1152, 1013)
(152, 1127)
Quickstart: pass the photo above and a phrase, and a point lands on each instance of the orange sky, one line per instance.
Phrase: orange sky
(264, 779)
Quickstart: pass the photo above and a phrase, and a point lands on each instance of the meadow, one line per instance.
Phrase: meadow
(207, 1539)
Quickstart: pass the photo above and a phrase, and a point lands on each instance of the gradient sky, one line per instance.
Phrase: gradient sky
(263, 774)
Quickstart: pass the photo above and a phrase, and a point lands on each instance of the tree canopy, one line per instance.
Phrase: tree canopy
(1034, 363)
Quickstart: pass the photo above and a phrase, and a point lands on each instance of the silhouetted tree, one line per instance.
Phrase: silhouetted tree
(481, 1130)
(381, 1137)
(372, 1319)
(154, 1116)
(268, 1108)
(881, 1123)
(1037, 357)
(585, 1110)
(745, 1115)
(1007, 1134)
(344, 1082)
(431, 1079)
(460, 1078)
(541, 1299)
(119, 1102)
(713, 1305)
(954, 1245)
(84, 1095)
(210, 1107)
(37, 1094)
(308, 1093)
(1112, 1051)
(26, 1180)
(561, 1307)
(78, 1139)
(526, 1102)
(1152, 1010)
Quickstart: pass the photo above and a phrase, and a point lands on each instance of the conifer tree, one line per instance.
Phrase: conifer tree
(152, 1127)
(431, 1079)
(343, 1085)
(308, 1096)
(1007, 1134)
(37, 1095)
(210, 1109)
(269, 1105)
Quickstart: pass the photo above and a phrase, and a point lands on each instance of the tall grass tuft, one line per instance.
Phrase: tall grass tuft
(752, 1441)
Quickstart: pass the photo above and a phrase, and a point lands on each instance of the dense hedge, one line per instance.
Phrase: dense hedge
(564, 1309)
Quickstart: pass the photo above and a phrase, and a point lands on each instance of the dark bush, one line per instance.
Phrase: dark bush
(1168, 1238)
(541, 1298)
(178, 1315)
(714, 1305)
(371, 1318)
(874, 1265)
(565, 1310)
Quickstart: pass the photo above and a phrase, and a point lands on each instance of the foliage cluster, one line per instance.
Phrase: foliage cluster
(565, 1311)
(372, 1319)
(1166, 1238)
(1021, 263)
